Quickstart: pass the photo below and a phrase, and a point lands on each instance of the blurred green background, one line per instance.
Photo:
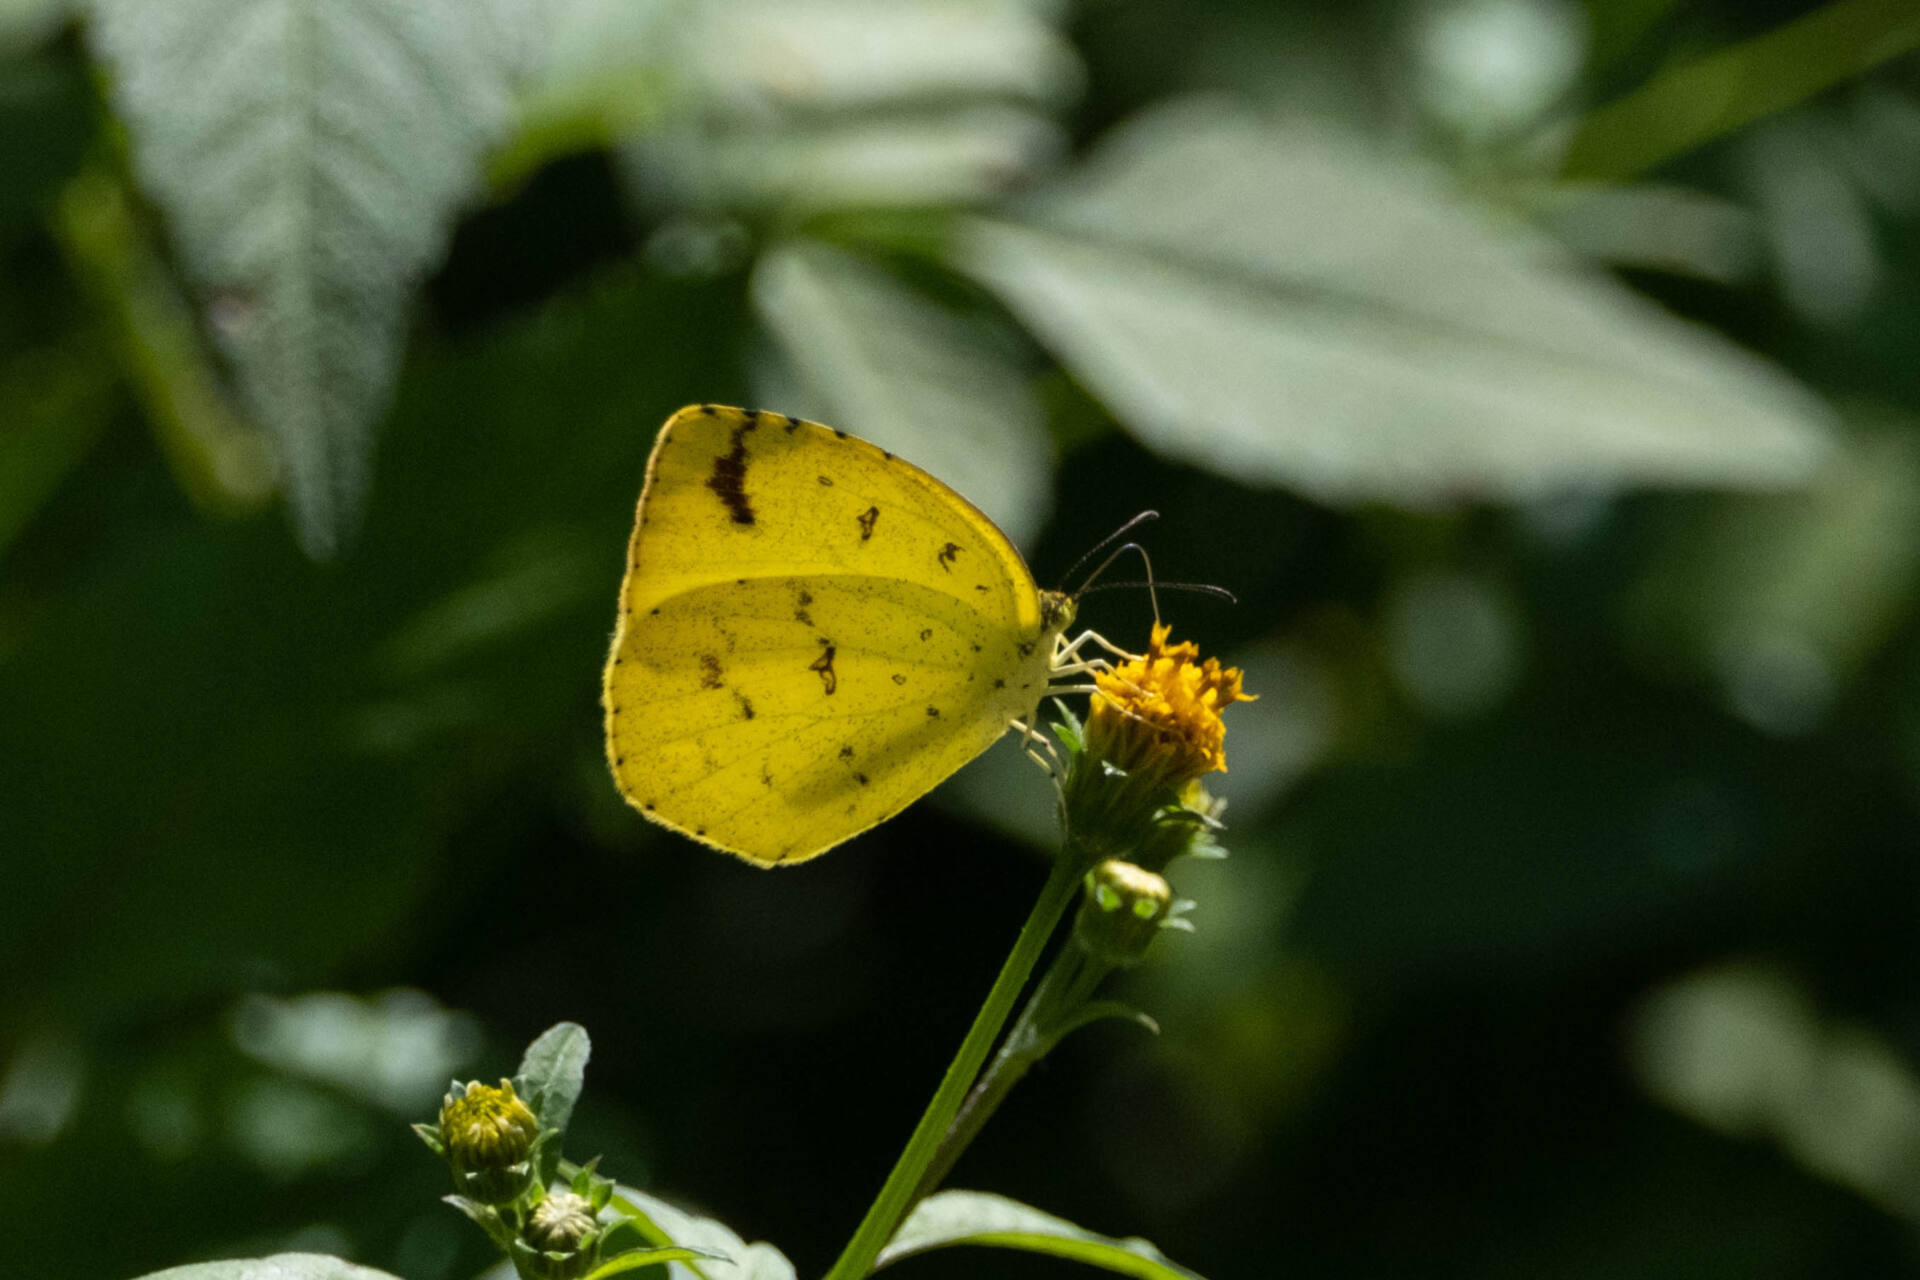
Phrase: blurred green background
(1542, 377)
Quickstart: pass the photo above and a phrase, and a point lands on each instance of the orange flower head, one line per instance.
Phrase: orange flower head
(1159, 715)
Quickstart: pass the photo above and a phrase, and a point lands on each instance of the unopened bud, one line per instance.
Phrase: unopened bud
(488, 1133)
(487, 1128)
(1122, 910)
(561, 1223)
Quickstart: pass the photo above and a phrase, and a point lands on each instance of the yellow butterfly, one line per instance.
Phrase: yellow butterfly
(813, 633)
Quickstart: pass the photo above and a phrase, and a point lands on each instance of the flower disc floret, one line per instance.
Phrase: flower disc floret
(1159, 714)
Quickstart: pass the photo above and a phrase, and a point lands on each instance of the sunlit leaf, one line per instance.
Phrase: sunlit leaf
(1282, 307)
(552, 1072)
(978, 1218)
(281, 1266)
(728, 1256)
(310, 155)
(634, 1259)
(879, 359)
(819, 104)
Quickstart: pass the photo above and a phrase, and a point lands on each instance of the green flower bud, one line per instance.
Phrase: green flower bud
(561, 1240)
(488, 1135)
(1123, 908)
(561, 1223)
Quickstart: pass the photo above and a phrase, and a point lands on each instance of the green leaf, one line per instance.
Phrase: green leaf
(218, 458)
(1285, 308)
(1102, 1010)
(977, 1218)
(1704, 100)
(281, 1266)
(885, 362)
(725, 1255)
(551, 1075)
(634, 1259)
(310, 155)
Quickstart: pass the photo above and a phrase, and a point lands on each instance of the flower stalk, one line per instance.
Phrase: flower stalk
(1131, 803)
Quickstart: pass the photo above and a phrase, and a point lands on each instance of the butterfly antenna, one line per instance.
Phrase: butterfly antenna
(1102, 545)
(1199, 588)
(1152, 594)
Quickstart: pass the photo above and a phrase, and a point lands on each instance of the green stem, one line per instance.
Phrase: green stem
(897, 1196)
(1066, 986)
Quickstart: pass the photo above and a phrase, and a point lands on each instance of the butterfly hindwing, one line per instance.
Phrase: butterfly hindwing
(813, 634)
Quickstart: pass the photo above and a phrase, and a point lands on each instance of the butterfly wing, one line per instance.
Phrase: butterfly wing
(813, 633)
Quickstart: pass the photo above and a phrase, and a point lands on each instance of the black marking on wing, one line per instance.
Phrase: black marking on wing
(825, 481)
(947, 553)
(729, 478)
(933, 713)
(846, 752)
(710, 672)
(898, 678)
(867, 519)
(746, 706)
(824, 665)
(926, 633)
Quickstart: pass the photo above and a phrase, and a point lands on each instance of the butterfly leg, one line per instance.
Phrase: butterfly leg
(1028, 736)
(1073, 650)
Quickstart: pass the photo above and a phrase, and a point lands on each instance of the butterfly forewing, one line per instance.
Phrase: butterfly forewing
(813, 633)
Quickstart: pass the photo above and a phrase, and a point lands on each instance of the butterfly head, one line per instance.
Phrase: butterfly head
(1057, 610)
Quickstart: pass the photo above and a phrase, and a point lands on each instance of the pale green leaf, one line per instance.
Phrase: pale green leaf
(978, 1218)
(903, 158)
(552, 1072)
(728, 1256)
(310, 156)
(796, 105)
(879, 359)
(281, 1266)
(1286, 308)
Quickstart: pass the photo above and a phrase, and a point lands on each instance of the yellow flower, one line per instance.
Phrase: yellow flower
(487, 1128)
(1159, 715)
